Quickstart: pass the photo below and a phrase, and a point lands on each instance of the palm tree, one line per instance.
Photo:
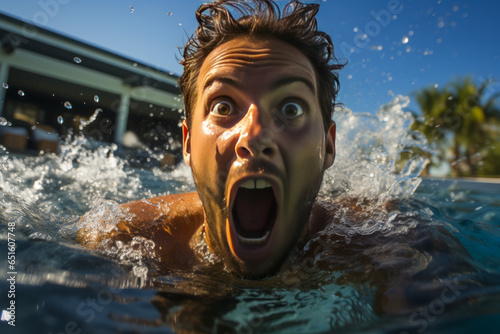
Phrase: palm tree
(475, 113)
(433, 105)
(463, 118)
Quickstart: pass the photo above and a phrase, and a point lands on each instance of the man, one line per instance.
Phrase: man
(259, 94)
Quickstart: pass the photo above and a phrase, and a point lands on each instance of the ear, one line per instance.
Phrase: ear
(330, 145)
(186, 143)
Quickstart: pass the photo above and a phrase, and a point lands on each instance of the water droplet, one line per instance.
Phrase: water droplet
(180, 24)
(131, 9)
(60, 119)
(98, 110)
(96, 98)
(404, 40)
(134, 64)
(68, 105)
(20, 92)
(3, 121)
(77, 60)
(5, 85)
(169, 13)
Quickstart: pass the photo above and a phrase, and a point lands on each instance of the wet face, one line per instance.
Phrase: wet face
(257, 148)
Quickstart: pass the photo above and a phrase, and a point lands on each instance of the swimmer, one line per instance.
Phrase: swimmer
(259, 93)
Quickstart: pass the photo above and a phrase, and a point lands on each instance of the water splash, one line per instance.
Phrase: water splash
(369, 148)
(90, 120)
(88, 175)
(101, 220)
(367, 165)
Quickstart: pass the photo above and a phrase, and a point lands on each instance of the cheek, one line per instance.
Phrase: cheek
(212, 152)
(203, 141)
(305, 148)
(202, 148)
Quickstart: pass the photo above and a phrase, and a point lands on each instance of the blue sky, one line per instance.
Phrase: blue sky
(421, 43)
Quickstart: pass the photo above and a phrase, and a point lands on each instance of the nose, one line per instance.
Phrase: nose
(255, 139)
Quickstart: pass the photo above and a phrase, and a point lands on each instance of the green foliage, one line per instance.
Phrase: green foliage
(463, 121)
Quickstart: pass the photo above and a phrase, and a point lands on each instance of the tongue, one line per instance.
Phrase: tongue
(253, 208)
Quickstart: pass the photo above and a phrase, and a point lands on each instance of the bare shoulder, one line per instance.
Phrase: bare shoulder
(159, 219)
(184, 208)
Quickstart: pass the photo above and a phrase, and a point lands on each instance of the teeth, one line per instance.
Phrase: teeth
(249, 184)
(254, 241)
(255, 184)
(261, 184)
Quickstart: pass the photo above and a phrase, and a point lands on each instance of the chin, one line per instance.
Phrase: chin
(259, 261)
(252, 271)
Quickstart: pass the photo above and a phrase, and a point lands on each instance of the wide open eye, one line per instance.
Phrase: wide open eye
(292, 110)
(222, 108)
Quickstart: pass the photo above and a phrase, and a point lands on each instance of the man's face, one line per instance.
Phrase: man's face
(257, 148)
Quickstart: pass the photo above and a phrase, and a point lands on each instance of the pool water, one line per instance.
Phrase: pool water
(61, 287)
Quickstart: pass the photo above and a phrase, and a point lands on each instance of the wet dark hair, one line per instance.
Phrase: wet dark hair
(224, 20)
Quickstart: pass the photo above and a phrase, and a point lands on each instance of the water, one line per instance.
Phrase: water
(333, 285)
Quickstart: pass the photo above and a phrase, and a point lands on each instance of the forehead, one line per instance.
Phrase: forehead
(262, 58)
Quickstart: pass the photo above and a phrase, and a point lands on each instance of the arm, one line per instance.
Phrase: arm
(169, 221)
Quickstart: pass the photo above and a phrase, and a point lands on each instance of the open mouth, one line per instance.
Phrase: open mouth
(254, 212)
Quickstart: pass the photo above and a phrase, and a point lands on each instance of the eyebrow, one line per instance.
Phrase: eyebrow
(277, 84)
(289, 80)
(225, 80)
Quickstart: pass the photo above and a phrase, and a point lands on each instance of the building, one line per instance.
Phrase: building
(55, 85)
